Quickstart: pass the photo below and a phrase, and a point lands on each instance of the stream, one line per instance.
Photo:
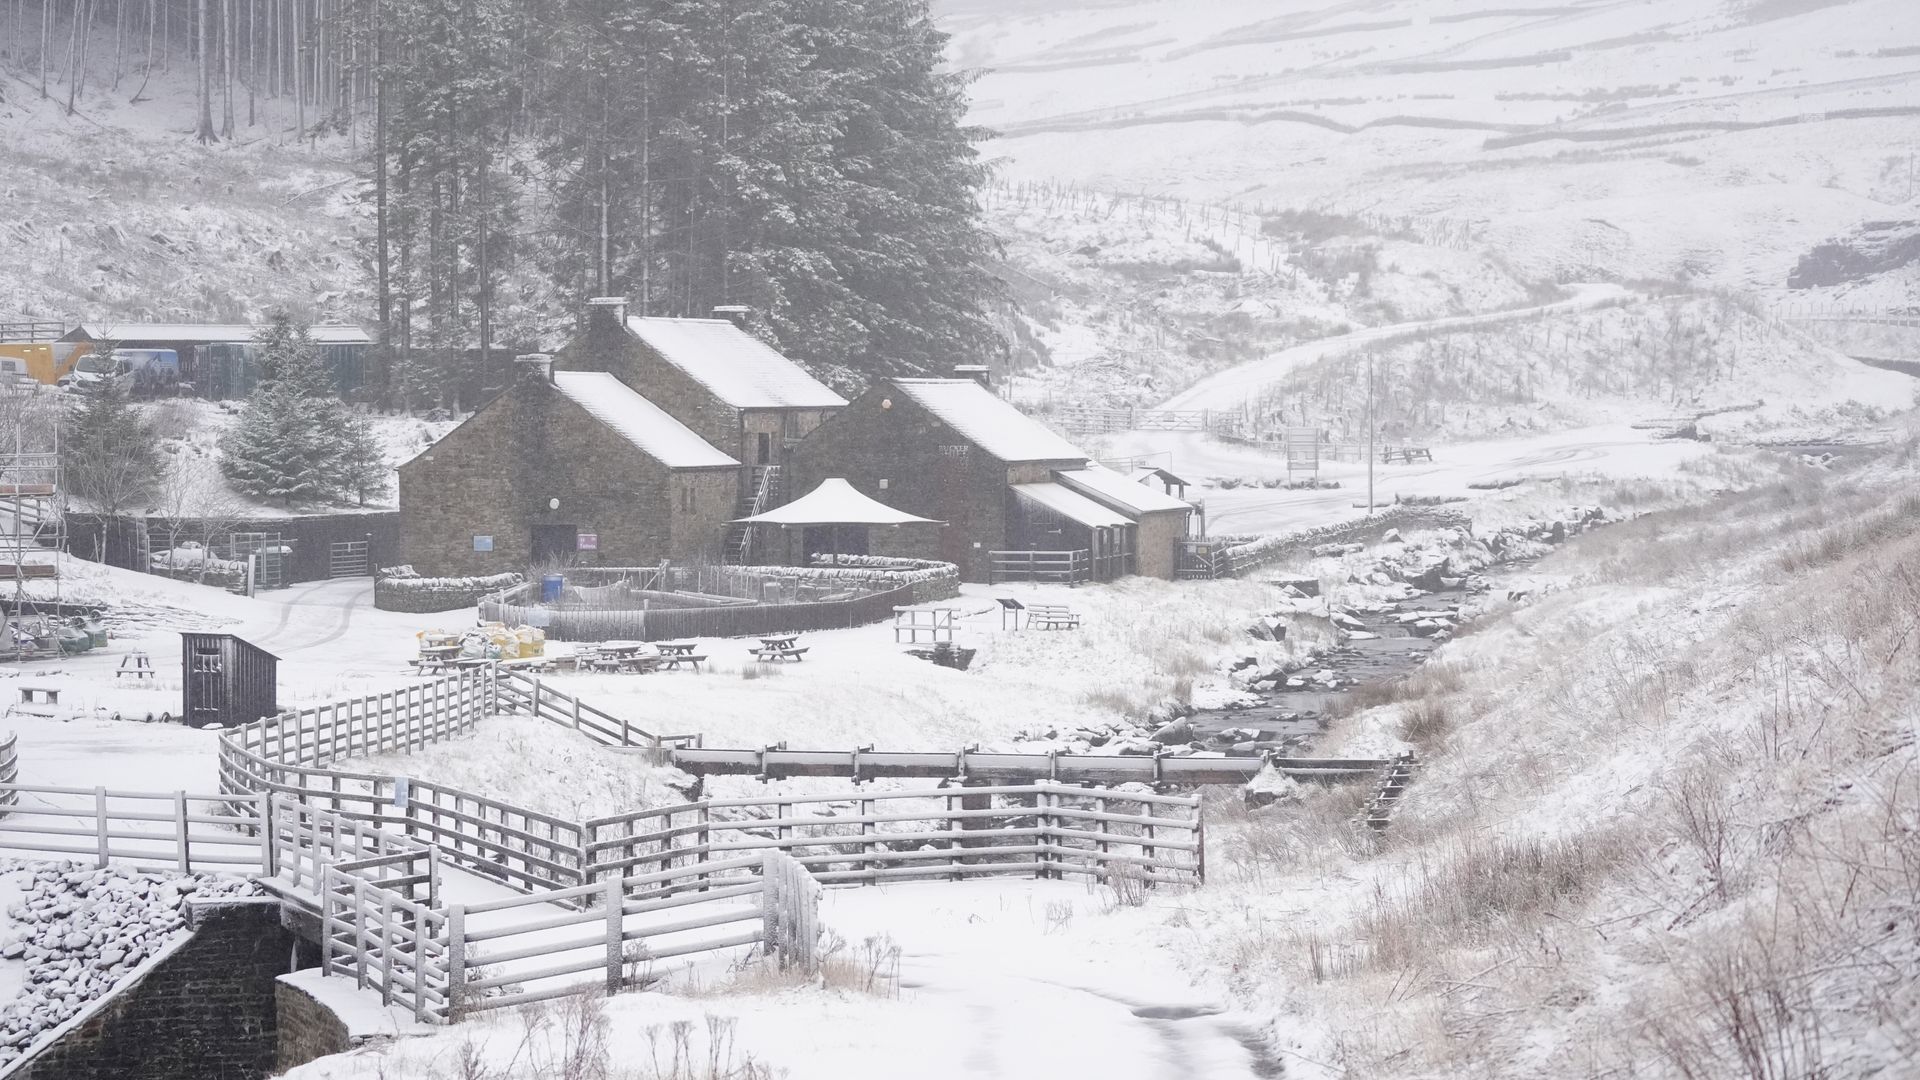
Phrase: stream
(1291, 715)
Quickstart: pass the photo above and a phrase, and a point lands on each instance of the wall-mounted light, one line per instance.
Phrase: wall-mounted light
(886, 403)
(553, 504)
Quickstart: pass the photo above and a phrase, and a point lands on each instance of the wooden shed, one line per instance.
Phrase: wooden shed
(228, 681)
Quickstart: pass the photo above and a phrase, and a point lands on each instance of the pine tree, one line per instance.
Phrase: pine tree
(806, 158)
(360, 465)
(285, 445)
(111, 453)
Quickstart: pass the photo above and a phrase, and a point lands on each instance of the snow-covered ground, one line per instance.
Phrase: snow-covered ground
(1023, 980)
(1578, 140)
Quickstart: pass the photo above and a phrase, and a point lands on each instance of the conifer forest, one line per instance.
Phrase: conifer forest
(806, 159)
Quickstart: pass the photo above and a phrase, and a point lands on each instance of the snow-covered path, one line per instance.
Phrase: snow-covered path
(1044, 980)
(1231, 388)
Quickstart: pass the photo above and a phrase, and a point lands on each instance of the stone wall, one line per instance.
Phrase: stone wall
(307, 1029)
(206, 1011)
(428, 595)
(1155, 542)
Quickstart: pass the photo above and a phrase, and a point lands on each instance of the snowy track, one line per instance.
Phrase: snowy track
(1231, 388)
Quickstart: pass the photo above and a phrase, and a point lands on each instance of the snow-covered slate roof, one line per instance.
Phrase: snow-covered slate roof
(740, 369)
(1071, 505)
(639, 421)
(1113, 489)
(991, 423)
(836, 502)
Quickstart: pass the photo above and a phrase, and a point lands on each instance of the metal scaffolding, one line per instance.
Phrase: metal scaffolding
(33, 536)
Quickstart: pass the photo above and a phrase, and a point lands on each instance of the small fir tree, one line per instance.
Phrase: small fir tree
(111, 453)
(287, 443)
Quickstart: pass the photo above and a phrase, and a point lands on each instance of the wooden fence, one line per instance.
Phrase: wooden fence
(367, 851)
(1056, 567)
(1047, 830)
(149, 830)
(9, 768)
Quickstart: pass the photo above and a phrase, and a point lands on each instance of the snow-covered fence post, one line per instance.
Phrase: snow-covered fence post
(790, 910)
(100, 821)
(457, 992)
(615, 903)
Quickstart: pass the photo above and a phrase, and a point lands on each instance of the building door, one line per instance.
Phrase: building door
(955, 470)
(555, 543)
(763, 448)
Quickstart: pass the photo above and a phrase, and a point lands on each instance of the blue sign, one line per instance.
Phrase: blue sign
(482, 543)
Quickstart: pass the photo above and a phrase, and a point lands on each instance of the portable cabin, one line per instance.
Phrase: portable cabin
(228, 681)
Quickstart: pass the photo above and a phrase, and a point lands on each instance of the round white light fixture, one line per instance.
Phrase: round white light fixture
(886, 403)
(553, 504)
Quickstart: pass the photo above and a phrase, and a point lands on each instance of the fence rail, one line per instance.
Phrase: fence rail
(366, 851)
(9, 769)
(1057, 567)
(149, 830)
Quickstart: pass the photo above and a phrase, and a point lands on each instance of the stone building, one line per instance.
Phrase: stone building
(730, 387)
(951, 450)
(565, 467)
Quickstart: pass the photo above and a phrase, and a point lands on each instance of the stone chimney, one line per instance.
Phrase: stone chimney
(733, 313)
(535, 366)
(977, 372)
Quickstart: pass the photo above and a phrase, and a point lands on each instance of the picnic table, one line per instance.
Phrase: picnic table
(780, 647)
(675, 653)
(635, 656)
(48, 694)
(1051, 617)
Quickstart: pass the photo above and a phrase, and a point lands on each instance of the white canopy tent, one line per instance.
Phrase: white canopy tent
(834, 518)
(835, 502)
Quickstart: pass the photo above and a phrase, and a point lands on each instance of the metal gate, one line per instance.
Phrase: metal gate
(347, 558)
(273, 556)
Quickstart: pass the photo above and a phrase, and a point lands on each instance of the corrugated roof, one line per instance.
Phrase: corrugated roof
(183, 332)
(740, 369)
(639, 421)
(1071, 505)
(991, 423)
(326, 334)
(1111, 488)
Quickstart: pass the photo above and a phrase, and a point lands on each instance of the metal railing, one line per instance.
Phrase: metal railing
(1057, 567)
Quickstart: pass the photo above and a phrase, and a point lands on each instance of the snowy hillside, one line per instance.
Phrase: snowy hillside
(1689, 139)
(115, 212)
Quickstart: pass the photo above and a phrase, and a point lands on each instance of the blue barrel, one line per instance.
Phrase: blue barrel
(550, 588)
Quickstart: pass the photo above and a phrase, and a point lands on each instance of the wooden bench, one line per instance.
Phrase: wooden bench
(1051, 617)
(673, 660)
(48, 694)
(135, 664)
(768, 655)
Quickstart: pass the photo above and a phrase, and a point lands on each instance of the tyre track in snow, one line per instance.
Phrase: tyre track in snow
(1017, 1020)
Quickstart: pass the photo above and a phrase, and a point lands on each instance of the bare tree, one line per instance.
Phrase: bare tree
(203, 128)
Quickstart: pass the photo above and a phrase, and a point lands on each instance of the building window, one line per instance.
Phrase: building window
(686, 498)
